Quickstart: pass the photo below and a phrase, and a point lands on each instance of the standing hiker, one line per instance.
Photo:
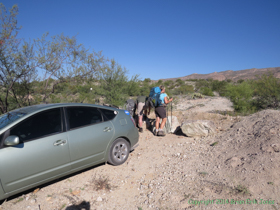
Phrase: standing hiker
(160, 111)
(140, 104)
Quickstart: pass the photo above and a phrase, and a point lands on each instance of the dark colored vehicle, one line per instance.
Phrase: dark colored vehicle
(41, 143)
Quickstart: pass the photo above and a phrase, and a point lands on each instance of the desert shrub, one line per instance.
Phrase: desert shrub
(197, 95)
(206, 91)
(132, 87)
(241, 97)
(240, 189)
(240, 81)
(54, 98)
(219, 86)
(182, 90)
(171, 87)
(158, 83)
(168, 83)
(145, 90)
(60, 88)
(250, 96)
(179, 82)
(147, 80)
(202, 83)
(267, 92)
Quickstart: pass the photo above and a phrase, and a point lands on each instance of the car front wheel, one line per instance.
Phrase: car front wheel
(119, 152)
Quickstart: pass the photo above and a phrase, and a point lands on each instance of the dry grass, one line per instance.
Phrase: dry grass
(102, 183)
(240, 189)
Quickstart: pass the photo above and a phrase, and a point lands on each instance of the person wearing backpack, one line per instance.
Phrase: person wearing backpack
(140, 104)
(160, 111)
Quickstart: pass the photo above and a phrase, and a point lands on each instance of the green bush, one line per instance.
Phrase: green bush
(241, 97)
(267, 92)
(167, 83)
(202, 83)
(206, 91)
(158, 83)
(197, 95)
(145, 90)
(179, 82)
(147, 80)
(240, 80)
(182, 90)
(219, 86)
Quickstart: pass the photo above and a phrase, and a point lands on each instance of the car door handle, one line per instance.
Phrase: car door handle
(59, 142)
(107, 129)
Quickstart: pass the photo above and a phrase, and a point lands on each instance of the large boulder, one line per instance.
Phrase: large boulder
(195, 128)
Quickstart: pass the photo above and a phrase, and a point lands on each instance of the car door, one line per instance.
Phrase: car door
(42, 155)
(89, 135)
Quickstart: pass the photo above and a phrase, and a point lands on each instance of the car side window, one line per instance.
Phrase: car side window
(109, 114)
(39, 125)
(83, 116)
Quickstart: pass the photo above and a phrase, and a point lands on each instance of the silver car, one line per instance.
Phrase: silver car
(41, 143)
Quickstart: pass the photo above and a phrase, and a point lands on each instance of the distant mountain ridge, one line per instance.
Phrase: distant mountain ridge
(232, 75)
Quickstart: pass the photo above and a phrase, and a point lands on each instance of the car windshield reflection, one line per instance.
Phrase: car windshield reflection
(9, 117)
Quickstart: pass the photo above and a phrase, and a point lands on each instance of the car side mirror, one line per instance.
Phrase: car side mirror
(11, 141)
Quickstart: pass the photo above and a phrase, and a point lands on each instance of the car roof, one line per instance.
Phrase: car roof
(40, 107)
(30, 110)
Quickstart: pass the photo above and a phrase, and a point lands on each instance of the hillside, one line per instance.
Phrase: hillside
(232, 75)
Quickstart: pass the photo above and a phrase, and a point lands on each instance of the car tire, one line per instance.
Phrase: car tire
(119, 152)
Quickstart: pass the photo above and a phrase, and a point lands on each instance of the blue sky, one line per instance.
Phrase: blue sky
(161, 39)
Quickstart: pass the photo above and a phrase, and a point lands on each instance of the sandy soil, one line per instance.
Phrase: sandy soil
(237, 168)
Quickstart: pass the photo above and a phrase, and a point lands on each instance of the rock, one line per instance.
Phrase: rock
(99, 199)
(268, 148)
(233, 162)
(32, 201)
(174, 123)
(276, 147)
(198, 128)
(167, 128)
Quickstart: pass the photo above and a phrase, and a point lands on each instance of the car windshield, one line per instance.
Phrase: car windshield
(9, 117)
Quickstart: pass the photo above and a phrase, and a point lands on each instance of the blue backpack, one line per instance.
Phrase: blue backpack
(154, 94)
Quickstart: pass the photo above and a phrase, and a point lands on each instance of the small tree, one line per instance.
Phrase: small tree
(16, 67)
(241, 97)
(206, 91)
(64, 60)
(219, 86)
(147, 80)
(113, 80)
(267, 92)
(133, 86)
(202, 83)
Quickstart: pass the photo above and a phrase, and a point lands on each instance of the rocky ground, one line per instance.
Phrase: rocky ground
(237, 168)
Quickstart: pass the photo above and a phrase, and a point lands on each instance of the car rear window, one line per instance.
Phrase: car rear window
(109, 114)
(83, 116)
